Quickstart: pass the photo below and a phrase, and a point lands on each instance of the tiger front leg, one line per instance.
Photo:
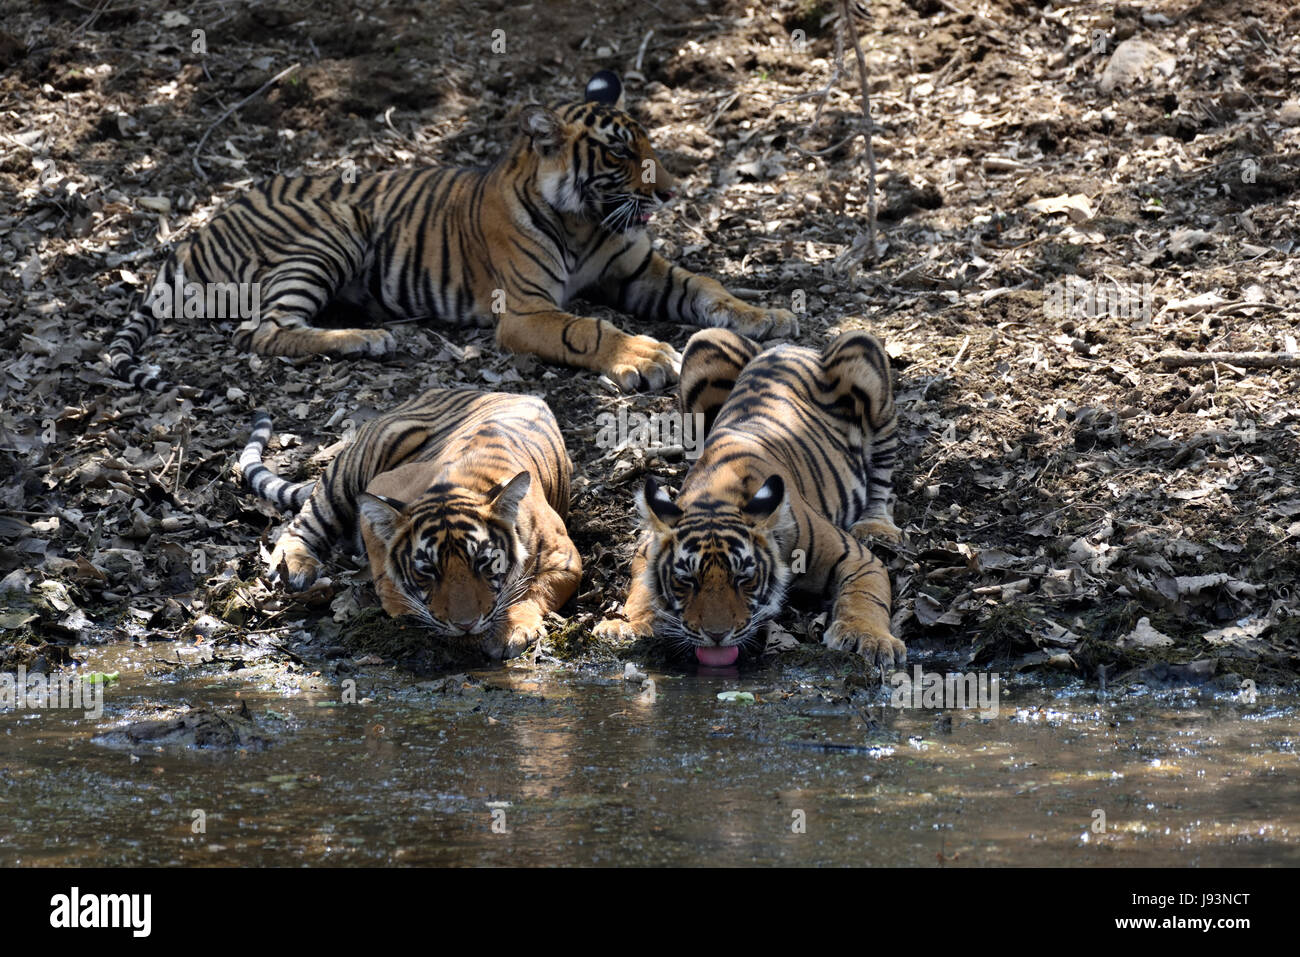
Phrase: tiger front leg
(632, 362)
(860, 613)
(554, 584)
(656, 289)
(878, 525)
(525, 624)
(296, 561)
(293, 563)
(638, 620)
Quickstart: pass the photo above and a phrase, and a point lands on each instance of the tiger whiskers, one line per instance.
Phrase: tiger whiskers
(629, 206)
(674, 631)
(617, 219)
(421, 613)
(752, 632)
(681, 639)
(514, 588)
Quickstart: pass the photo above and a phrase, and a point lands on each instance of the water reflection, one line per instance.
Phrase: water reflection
(525, 767)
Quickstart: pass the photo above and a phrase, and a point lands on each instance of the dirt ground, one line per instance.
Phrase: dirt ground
(1070, 503)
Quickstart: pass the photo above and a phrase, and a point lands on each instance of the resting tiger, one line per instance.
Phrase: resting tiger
(458, 498)
(795, 469)
(562, 213)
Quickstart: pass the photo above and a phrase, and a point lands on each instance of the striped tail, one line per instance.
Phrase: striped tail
(286, 496)
(125, 345)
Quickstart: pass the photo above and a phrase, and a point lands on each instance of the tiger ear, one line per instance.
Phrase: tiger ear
(658, 507)
(605, 88)
(542, 126)
(382, 513)
(506, 502)
(767, 506)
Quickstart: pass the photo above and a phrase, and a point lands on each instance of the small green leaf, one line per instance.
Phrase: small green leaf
(736, 697)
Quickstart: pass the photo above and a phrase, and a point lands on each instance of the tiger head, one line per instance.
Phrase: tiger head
(716, 569)
(451, 557)
(594, 160)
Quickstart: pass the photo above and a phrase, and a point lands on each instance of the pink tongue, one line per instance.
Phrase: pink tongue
(717, 657)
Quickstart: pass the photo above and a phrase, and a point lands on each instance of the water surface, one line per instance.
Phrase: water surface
(556, 765)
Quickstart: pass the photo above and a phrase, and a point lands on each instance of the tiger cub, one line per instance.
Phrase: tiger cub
(562, 213)
(459, 499)
(795, 470)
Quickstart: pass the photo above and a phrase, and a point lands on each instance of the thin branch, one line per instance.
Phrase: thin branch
(1175, 359)
(855, 255)
(640, 53)
(825, 92)
(226, 115)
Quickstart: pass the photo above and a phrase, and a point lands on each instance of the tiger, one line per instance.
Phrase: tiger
(795, 472)
(458, 498)
(562, 212)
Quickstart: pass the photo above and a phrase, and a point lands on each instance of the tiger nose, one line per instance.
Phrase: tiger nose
(717, 636)
(663, 194)
(466, 626)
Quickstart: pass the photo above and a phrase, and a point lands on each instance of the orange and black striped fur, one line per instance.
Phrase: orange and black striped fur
(795, 470)
(459, 499)
(562, 213)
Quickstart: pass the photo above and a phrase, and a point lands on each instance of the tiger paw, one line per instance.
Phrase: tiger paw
(524, 625)
(294, 566)
(884, 650)
(754, 322)
(643, 362)
(781, 324)
(878, 526)
(619, 629)
(362, 342)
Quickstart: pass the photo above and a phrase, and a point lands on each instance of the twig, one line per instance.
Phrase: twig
(960, 352)
(825, 91)
(183, 444)
(640, 54)
(226, 115)
(1176, 359)
(94, 15)
(388, 121)
(717, 114)
(828, 150)
(863, 247)
(869, 129)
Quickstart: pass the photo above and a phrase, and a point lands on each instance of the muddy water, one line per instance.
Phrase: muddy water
(576, 766)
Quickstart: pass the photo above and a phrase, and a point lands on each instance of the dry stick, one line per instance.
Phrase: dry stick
(822, 95)
(717, 114)
(94, 15)
(824, 92)
(1260, 360)
(960, 352)
(224, 116)
(868, 128)
(640, 54)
